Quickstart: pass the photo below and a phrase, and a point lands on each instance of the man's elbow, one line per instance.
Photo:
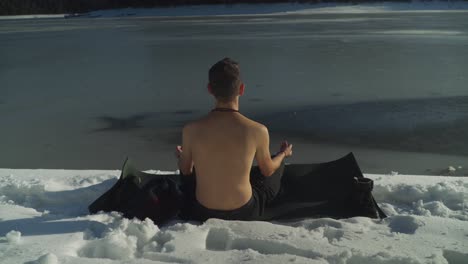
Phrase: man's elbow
(186, 171)
(267, 172)
(184, 168)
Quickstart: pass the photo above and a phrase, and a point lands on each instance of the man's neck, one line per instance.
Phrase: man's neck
(234, 105)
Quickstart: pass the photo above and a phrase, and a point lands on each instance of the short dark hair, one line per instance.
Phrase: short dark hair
(224, 78)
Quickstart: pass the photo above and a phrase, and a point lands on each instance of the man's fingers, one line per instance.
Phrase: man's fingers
(178, 151)
(285, 146)
(290, 149)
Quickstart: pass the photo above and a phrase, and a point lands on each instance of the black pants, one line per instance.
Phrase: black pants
(264, 191)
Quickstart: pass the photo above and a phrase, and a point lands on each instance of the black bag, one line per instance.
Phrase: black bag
(141, 195)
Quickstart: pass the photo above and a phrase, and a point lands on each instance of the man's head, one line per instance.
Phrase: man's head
(224, 80)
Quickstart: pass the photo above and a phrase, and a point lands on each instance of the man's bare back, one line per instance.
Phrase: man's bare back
(222, 147)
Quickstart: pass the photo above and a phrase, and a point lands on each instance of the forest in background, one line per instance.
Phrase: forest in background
(23, 7)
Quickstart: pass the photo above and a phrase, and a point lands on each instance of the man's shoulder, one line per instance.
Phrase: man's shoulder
(194, 124)
(256, 125)
(190, 126)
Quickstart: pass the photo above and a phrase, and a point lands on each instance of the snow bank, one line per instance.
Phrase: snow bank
(13, 237)
(45, 211)
(47, 259)
(384, 7)
(285, 9)
(436, 196)
(266, 9)
(32, 16)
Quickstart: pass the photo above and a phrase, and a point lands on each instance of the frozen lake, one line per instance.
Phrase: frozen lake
(85, 93)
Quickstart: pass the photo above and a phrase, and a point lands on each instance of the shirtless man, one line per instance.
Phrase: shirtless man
(222, 146)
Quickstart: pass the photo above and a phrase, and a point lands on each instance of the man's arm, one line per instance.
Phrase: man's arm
(185, 152)
(267, 164)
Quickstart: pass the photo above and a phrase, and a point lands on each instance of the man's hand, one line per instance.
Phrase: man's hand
(286, 148)
(181, 163)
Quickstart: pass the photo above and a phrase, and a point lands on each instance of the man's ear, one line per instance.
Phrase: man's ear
(242, 89)
(210, 90)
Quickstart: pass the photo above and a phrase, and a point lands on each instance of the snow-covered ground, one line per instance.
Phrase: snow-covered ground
(272, 9)
(287, 9)
(43, 219)
(33, 16)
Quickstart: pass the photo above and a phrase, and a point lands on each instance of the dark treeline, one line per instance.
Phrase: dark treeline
(20, 7)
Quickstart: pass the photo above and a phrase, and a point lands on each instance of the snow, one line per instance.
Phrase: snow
(286, 9)
(47, 259)
(13, 237)
(268, 9)
(33, 16)
(44, 219)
